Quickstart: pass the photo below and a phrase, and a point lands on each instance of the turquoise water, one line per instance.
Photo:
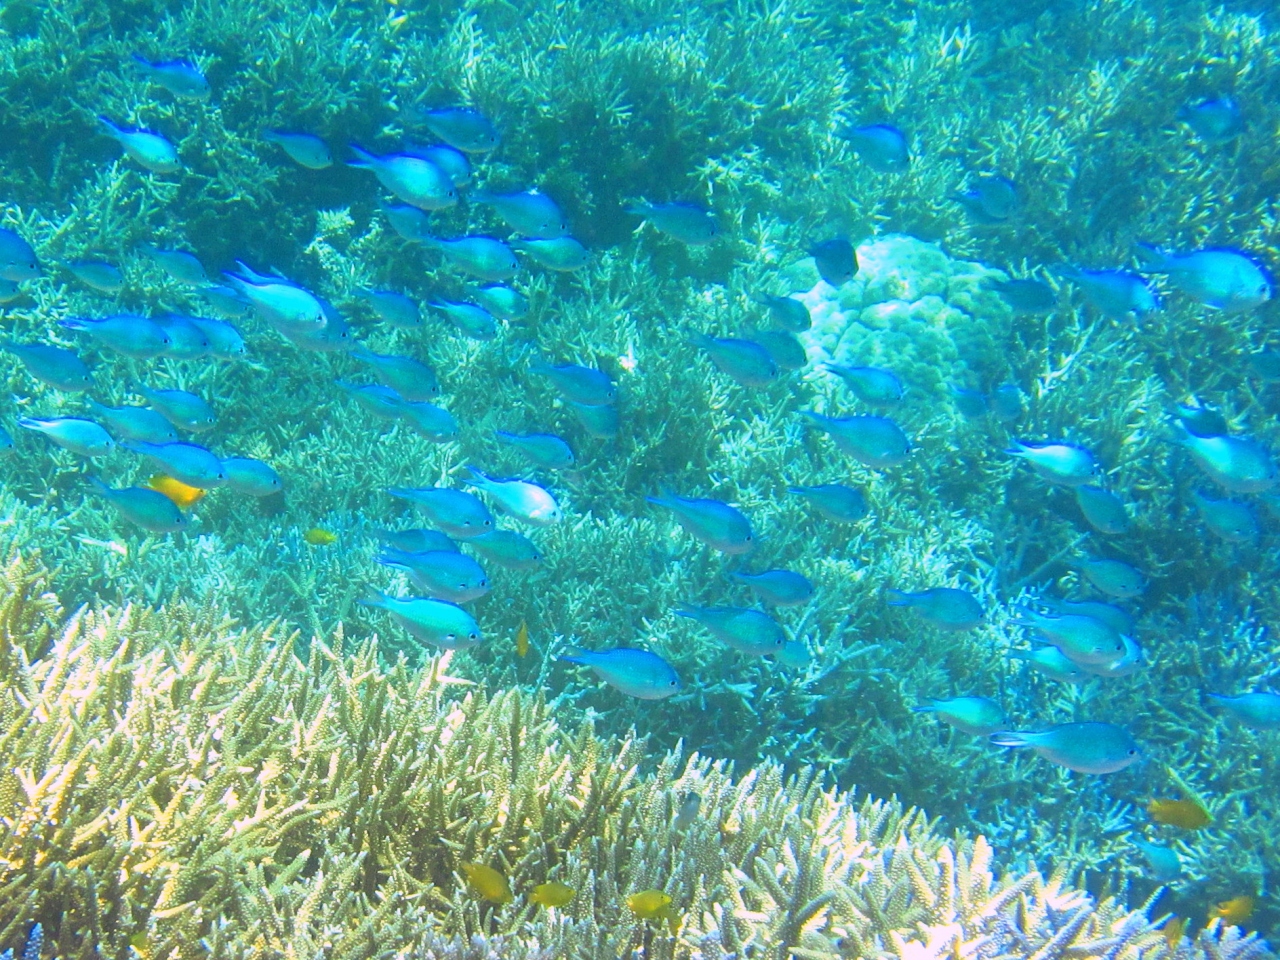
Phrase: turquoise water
(952, 147)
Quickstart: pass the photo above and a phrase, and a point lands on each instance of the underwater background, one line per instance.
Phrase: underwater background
(891, 167)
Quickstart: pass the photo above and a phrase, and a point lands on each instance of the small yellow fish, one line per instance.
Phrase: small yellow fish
(319, 537)
(1186, 814)
(180, 493)
(552, 894)
(650, 904)
(522, 644)
(1173, 930)
(1233, 912)
(487, 883)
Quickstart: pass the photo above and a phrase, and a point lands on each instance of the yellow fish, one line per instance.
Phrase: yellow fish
(184, 496)
(1186, 814)
(552, 894)
(1172, 931)
(487, 883)
(319, 537)
(1233, 912)
(522, 650)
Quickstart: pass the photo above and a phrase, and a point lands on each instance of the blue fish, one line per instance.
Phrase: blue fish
(416, 541)
(150, 150)
(747, 363)
(179, 77)
(1164, 863)
(442, 574)
(1215, 120)
(182, 409)
(459, 514)
(1089, 747)
(1026, 295)
(716, 524)
(17, 260)
(410, 378)
(637, 673)
(251, 477)
(1113, 293)
(750, 632)
(1260, 710)
(226, 300)
(462, 128)
(881, 146)
(835, 501)
(577, 383)
(992, 200)
(976, 716)
(410, 222)
(1103, 510)
(972, 404)
(393, 308)
(83, 437)
(188, 462)
(869, 384)
(786, 352)
(135, 423)
(453, 162)
(1006, 403)
(873, 441)
(501, 301)
(788, 312)
(945, 607)
(55, 366)
(599, 420)
(1220, 277)
(530, 214)
(418, 182)
(470, 320)
(685, 222)
(101, 276)
(836, 260)
(382, 402)
(132, 336)
(778, 588)
(563, 254)
(437, 622)
(178, 264)
(435, 423)
(482, 257)
(545, 450)
(149, 509)
(1201, 420)
(304, 149)
(187, 340)
(9, 291)
(507, 548)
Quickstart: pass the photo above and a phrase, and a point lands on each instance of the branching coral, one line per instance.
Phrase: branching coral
(177, 789)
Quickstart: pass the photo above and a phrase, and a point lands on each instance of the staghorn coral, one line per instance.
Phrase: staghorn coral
(174, 788)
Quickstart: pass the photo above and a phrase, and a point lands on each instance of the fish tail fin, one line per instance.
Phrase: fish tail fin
(364, 159)
(111, 129)
(374, 598)
(683, 609)
(1219, 700)
(482, 196)
(1008, 738)
(897, 598)
(638, 208)
(74, 323)
(98, 485)
(925, 708)
(1023, 616)
(574, 655)
(478, 478)
(1154, 260)
(505, 437)
(700, 340)
(31, 423)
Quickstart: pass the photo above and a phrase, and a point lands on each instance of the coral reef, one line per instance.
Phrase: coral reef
(737, 105)
(177, 789)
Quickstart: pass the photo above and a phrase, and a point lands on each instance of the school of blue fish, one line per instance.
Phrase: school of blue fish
(1071, 641)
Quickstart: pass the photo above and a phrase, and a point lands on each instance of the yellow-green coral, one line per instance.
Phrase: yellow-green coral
(178, 788)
